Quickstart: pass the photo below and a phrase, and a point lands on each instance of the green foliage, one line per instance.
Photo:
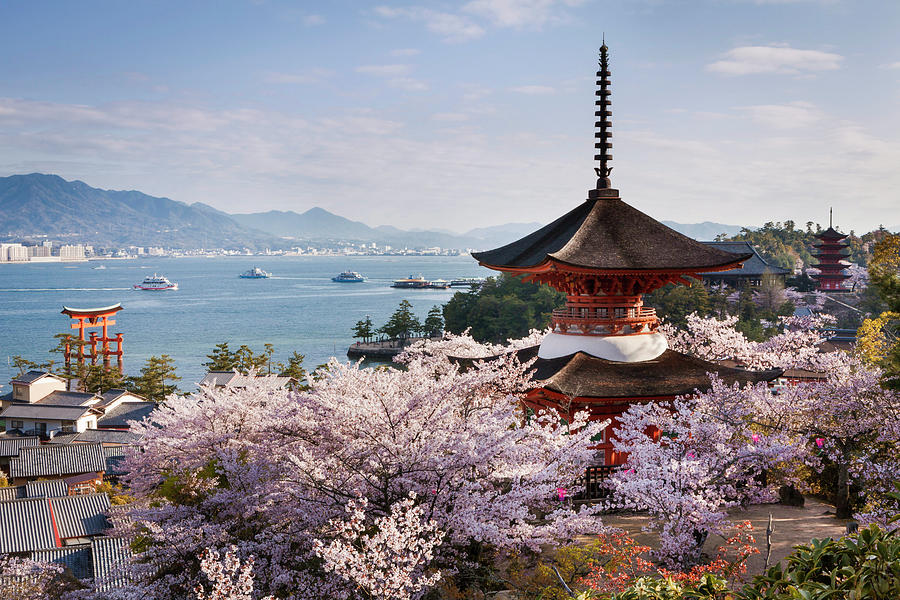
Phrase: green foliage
(865, 566)
(434, 322)
(676, 302)
(403, 323)
(710, 587)
(220, 359)
(99, 378)
(503, 307)
(294, 368)
(364, 330)
(152, 383)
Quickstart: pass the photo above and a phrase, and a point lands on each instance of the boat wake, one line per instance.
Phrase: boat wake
(69, 289)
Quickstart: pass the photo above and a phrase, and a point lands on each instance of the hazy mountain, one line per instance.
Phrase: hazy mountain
(705, 231)
(39, 204)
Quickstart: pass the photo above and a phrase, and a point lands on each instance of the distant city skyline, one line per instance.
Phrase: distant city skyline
(455, 115)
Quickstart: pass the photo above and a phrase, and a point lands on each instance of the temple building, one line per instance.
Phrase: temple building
(605, 351)
(829, 253)
(751, 272)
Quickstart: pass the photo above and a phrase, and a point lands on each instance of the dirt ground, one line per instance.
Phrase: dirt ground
(792, 526)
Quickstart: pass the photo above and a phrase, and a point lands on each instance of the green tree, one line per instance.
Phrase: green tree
(364, 330)
(434, 322)
(71, 369)
(153, 382)
(294, 369)
(884, 274)
(675, 302)
(97, 379)
(501, 308)
(221, 359)
(246, 360)
(403, 323)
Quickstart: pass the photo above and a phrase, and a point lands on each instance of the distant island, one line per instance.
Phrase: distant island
(38, 207)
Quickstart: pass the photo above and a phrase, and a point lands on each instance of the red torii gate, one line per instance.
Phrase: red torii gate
(86, 318)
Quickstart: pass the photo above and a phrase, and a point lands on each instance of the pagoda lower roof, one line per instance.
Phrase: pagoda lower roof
(672, 373)
(83, 312)
(606, 234)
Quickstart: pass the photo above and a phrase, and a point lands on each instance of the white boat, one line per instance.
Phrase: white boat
(349, 277)
(99, 267)
(255, 273)
(411, 282)
(156, 283)
(466, 281)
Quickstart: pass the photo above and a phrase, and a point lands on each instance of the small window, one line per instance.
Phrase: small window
(18, 424)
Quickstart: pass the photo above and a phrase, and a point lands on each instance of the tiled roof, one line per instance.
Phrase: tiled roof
(64, 398)
(755, 265)
(75, 558)
(57, 459)
(110, 395)
(108, 436)
(44, 411)
(9, 446)
(64, 438)
(46, 489)
(237, 380)
(32, 376)
(115, 456)
(80, 516)
(110, 557)
(13, 492)
(27, 525)
(609, 235)
(118, 417)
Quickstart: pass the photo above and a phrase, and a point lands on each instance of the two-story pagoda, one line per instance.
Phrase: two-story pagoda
(831, 257)
(605, 351)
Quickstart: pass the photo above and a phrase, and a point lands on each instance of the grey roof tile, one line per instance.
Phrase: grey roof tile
(31, 376)
(44, 411)
(14, 492)
(27, 525)
(115, 456)
(77, 559)
(80, 516)
(64, 398)
(57, 459)
(755, 265)
(127, 411)
(46, 489)
(111, 555)
(9, 446)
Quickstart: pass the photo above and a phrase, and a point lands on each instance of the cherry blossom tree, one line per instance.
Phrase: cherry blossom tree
(390, 563)
(268, 471)
(229, 578)
(691, 459)
(24, 579)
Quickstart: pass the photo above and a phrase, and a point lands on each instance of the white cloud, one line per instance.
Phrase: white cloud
(450, 117)
(313, 20)
(453, 28)
(405, 52)
(893, 65)
(534, 90)
(314, 75)
(409, 84)
(794, 115)
(520, 14)
(748, 60)
(384, 70)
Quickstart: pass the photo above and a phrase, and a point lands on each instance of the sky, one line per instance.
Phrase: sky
(457, 115)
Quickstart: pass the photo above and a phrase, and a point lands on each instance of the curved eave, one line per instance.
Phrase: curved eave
(550, 263)
(92, 312)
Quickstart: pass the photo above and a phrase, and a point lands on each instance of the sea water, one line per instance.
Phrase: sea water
(298, 309)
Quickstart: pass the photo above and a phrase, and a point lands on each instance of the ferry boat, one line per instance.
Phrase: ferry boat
(255, 273)
(411, 282)
(466, 281)
(349, 277)
(99, 267)
(439, 284)
(156, 283)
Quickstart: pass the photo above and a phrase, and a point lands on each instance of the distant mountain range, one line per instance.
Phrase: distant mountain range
(38, 204)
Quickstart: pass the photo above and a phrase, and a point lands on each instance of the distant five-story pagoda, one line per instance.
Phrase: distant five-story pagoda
(832, 260)
(605, 351)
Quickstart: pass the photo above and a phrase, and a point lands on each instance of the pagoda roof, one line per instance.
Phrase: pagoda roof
(755, 265)
(670, 374)
(830, 234)
(87, 312)
(604, 233)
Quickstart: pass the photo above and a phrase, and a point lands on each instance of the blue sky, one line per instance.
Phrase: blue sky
(463, 114)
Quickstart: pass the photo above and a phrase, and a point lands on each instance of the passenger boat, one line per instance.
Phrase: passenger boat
(466, 281)
(349, 277)
(411, 282)
(255, 273)
(156, 283)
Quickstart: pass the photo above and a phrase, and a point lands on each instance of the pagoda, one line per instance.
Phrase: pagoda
(831, 259)
(605, 350)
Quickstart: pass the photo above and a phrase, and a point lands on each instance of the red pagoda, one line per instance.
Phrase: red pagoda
(605, 351)
(831, 260)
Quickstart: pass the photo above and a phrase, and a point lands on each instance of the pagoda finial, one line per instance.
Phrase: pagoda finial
(830, 210)
(603, 124)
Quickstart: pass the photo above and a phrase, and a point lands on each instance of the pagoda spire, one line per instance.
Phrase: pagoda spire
(603, 124)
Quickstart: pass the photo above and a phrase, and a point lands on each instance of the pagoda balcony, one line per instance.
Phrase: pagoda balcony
(575, 320)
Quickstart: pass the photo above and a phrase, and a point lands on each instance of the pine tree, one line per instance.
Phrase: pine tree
(294, 369)
(221, 359)
(364, 330)
(403, 323)
(434, 322)
(152, 382)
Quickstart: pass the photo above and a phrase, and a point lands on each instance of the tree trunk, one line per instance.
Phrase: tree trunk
(842, 495)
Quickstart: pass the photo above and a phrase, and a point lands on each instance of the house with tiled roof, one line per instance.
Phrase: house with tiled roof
(57, 461)
(232, 379)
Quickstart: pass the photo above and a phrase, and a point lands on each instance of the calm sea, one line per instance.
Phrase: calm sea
(299, 308)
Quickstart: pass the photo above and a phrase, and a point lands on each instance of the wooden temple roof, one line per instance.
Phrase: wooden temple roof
(607, 234)
(672, 373)
(831, 234)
